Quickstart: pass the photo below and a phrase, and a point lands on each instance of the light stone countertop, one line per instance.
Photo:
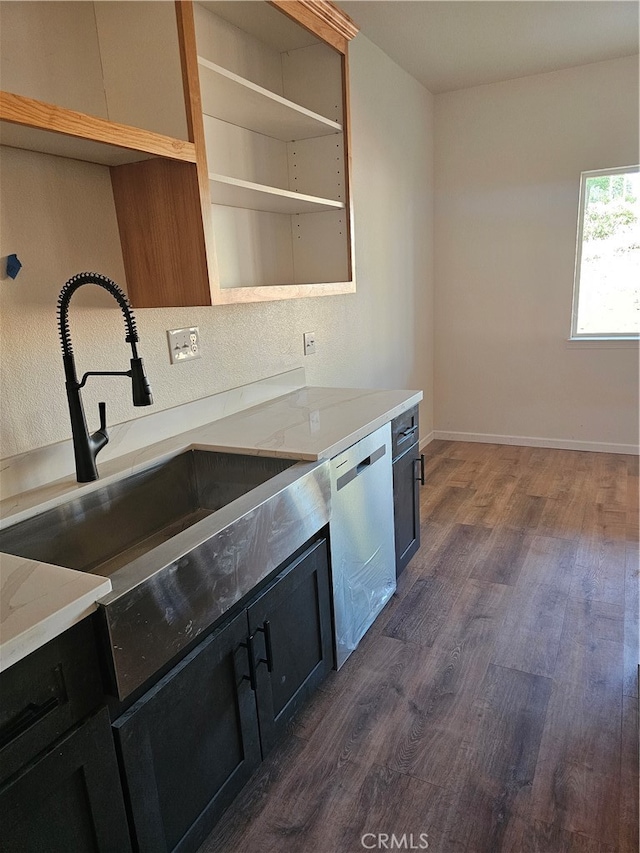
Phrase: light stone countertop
(39, 601)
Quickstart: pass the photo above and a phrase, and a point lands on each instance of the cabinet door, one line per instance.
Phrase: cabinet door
(46, 694)
(292, 641)
(406, 507)
(68, 800)
(190, 744)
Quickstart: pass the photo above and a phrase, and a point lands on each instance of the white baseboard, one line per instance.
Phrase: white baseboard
(530, 441)
(427, 440)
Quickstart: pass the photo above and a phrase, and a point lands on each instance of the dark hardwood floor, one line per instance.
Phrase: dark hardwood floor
(493, 706)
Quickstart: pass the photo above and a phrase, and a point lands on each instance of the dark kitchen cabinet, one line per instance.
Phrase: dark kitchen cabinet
(190, 743)
(59, 781)
(291, 626)
(408, 473)
(188, 746)
(69, 799)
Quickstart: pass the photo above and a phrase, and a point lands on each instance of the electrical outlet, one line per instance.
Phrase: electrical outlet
(309, 343)
(184, 344)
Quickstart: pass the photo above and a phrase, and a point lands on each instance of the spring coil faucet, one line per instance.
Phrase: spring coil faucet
(86, 447)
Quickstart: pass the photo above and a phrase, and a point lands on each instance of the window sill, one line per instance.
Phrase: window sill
(603, 342)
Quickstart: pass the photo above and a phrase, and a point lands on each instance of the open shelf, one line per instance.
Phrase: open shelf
(233, 192)
(37, 126)
(270, 292)
(231, 98)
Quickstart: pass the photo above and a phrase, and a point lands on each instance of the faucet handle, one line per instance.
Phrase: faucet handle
(100, 437)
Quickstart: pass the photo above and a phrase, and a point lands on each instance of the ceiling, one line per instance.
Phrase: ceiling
(455, 44)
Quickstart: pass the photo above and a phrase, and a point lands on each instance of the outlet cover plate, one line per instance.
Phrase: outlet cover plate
(309, 343)
(184, 344)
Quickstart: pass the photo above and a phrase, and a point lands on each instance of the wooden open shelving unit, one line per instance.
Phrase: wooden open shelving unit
(35, 126)
(238, 101)
(234, 192)
(177, 203)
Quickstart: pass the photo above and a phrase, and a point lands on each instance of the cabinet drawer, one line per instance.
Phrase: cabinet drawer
(47, 693)
(404, 431)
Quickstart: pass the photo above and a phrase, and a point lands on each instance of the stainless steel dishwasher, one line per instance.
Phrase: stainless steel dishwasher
(362, 537)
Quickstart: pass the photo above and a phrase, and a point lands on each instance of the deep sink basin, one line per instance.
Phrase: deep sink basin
(109, 528)
(182, 542)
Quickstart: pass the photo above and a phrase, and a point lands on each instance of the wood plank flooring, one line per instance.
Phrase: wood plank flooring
(493, 706)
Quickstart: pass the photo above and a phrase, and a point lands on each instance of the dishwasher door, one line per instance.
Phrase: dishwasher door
(362, 537)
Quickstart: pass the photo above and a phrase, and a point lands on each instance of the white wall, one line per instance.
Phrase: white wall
(58, 216)
(508, 158)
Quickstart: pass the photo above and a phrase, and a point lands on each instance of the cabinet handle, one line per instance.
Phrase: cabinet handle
(251, 678)
(268, 646)
(407, 433)
(266, 630)
(420, 476)
(28, 717)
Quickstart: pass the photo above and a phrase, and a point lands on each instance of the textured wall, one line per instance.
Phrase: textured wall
(508, 158)
(58, 216)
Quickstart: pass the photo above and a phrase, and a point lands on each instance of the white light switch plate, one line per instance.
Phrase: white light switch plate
(184, 344)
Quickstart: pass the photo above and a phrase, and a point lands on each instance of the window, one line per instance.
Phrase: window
(606, 298)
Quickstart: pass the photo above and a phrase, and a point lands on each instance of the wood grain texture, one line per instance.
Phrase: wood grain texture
(446, 503)
(347, 149)
(524, 511)
(195, 124)
(499, 766)
(540, 837)
(629, 776)
(631, 620)
(158, 210)
(420, 617)
(432, 715)
(322, 18)
(532, 630)
(633, 499)
(503, 558)
(359, 722)
(271, 292)
(424, 611)
(491, 501)
(426, 729)
(30, 113)
(611, 473)
(577, 784)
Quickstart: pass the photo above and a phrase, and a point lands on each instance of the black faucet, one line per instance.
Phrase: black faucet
(86, 447)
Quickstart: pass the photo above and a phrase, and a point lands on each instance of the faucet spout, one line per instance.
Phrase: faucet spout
(86, 447)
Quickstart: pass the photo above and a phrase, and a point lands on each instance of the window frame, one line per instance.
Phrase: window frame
(584, 336)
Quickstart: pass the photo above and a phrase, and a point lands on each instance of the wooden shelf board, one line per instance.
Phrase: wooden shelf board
(272, 292)
(36, 126)
(29, 139)
(231, 98)
(234, 192)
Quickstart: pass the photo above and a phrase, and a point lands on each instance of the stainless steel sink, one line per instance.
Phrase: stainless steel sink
(106, 529)
(182, 541)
